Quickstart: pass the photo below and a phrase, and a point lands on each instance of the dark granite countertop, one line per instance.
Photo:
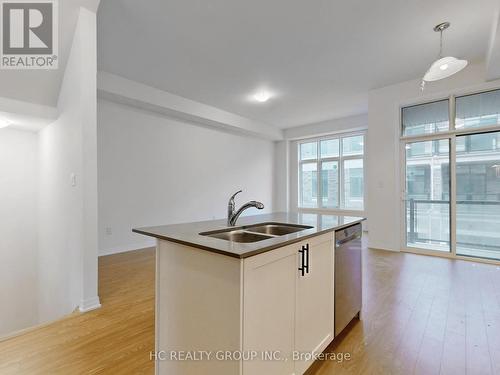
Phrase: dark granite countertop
(188, 233)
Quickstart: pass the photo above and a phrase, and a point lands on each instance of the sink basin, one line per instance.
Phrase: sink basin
(237, 236)
(256, 232)
(277, 229)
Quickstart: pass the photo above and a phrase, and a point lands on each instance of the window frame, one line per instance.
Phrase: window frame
(340, 159)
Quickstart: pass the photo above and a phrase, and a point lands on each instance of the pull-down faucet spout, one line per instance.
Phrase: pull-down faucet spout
(232, 216)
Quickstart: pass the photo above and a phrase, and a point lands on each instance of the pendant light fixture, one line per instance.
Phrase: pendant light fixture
(443, 67)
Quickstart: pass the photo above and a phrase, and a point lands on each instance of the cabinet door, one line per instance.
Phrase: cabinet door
(269, 310)
(315, 303)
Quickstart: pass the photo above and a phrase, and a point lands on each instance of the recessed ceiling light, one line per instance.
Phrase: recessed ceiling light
(3, 124)
(262, 96)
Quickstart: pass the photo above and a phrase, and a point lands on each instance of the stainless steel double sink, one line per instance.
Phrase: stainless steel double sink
(255, 232)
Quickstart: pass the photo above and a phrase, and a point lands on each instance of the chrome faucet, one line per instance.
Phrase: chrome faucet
(233, 216)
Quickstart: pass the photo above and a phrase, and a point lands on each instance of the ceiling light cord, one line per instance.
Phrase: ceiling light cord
(440, 55)
(439, 28)
(441, 44)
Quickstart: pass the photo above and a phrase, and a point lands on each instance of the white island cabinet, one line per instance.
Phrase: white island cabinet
(217, 314)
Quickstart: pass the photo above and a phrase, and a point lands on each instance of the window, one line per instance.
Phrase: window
(330, 183)
(426, 118)
(452, 175)
(339, 162)
(309, 184)
(418, 180)
(478, 110)
(353, 184)
(427, 208)
(478, 196)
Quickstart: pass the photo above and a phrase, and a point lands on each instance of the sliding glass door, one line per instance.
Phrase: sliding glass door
(478, 195)
(427, 195)
(452, 175)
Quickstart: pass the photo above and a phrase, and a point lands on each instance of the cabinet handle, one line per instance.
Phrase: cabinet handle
(306, 266)
(302, 267)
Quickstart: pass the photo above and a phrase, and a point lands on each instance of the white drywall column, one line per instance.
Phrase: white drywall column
(87, 28)
(68, 186)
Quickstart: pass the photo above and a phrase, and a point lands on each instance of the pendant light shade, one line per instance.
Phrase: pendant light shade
(443, 67)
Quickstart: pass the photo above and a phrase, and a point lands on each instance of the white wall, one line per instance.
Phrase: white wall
(383, 155)
(281, 175)
(18, 230)
(67, 266)
(87, 36)
(154, 170)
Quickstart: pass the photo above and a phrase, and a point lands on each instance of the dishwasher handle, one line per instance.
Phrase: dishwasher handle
(348, 234)
(339, 243)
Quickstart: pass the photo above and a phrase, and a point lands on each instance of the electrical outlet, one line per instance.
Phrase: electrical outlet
(109, 231)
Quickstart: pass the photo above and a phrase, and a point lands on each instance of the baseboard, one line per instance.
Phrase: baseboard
(22, 331)
(90, 304)
(127, 248)
(383, 248)
(37, 326)
(85, 306)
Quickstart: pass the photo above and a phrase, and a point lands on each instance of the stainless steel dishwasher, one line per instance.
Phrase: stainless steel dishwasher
(347, 276)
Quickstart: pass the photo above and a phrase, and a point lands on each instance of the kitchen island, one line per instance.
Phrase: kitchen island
(257, 298)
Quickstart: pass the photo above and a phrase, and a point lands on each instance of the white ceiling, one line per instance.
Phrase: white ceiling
(42, 86)
(319, 56)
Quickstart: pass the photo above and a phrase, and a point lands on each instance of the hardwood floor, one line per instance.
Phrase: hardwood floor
(421, 315)
(115, 339)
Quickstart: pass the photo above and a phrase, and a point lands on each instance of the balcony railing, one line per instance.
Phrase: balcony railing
(486, 223)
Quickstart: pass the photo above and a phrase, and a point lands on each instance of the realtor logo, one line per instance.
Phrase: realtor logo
(29, 34)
